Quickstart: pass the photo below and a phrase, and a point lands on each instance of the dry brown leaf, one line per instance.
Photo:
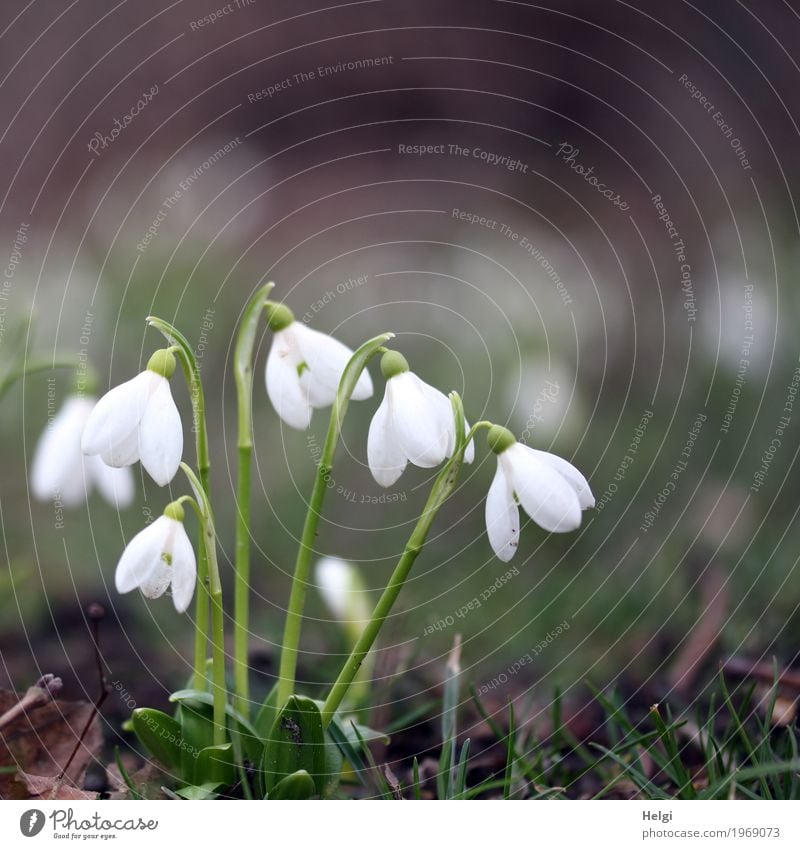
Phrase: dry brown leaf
(41, 787)
(41, 741)
(148, 781)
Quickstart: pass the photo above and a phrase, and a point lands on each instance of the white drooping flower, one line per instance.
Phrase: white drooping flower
(551, 491)
(138, 420)
(304, 368)
(343, 591)
(60, 470)
(158, 557)
(414, 423)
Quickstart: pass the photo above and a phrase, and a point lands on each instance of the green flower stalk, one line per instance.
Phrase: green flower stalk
(243, 374)
(205, 516)
(294, 614)
(191, 369)
(442, 488)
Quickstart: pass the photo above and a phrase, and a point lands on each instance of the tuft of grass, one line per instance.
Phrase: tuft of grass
(730, 747)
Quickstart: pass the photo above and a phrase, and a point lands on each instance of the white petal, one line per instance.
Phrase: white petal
(75, 490)
(283, 383)
(418, 419)
(141, 555)
(54, 465)
(543, 493)
(469, 451)
(335, 586)
(58, 459)
(502, 517)
(111, 429)
(161, 435)
(327, 359)
(115, 485)
(573, 477)
(156, 581)
(184, 570)
(318, 395)
(122, 452)
(384, 454)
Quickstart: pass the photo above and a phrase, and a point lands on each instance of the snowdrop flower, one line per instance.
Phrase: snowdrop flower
(138, 420)
(414, 423)
(343, 591)
(60, 470)
(551, 491)
(304, 368)
(158, 557)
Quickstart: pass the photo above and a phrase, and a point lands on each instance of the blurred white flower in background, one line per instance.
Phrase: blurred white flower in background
(343, 590)
(545, 399)
(742, 324)
(60, 469)
(344, 593)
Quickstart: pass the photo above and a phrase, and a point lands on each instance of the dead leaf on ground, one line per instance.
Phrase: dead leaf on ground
(41, 787)
(41, 741)
(147, 782)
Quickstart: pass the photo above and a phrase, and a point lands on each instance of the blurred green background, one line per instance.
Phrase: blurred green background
(317, 194)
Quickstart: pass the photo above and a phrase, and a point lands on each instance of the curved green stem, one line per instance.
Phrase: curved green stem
(191, 369)
(294, 611)
(32, 367)
(443, 486)
(206, 519)
(243, 373)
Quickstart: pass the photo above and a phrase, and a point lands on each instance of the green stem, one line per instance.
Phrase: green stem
(442, 488)
(191, 370)
(241, 599)
(33, 367)
(243, 373)
(294, 612)
(201, 617)
(219, 688)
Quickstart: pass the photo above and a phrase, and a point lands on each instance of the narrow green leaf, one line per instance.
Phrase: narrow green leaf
(215, 766)
(334, 763)
(443, 773)
(450, 703)
(298, 785)
(529, 772)
(461, 777)
(383, 787)
(199, 792)
(135, 794)
(510, 752)
(265, 718)
(637, 776)
(296, 742)
(674, 768)
(350, 750)
(196, 720)
(160, 734)
(752, 754)
(250, 739)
